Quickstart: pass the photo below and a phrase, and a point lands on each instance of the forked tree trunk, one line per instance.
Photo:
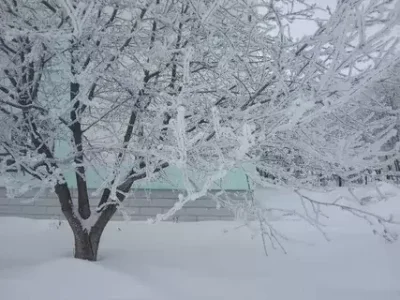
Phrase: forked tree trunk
(87, 242)
(86, 245)
(86, 239)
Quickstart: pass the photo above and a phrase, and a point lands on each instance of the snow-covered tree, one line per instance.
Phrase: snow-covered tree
(374, 144)
(206, 86)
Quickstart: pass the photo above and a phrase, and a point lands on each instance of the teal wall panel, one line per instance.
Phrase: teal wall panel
(170, 178)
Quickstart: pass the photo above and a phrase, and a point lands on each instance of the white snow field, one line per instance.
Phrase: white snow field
(205, 260)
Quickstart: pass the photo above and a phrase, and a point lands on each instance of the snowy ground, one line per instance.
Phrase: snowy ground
(207, 260)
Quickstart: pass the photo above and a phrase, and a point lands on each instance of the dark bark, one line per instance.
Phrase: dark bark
(76, 128)
(87, 245)
(86, 242)
(340, 181)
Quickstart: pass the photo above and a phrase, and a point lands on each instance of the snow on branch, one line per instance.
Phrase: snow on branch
(125, 89)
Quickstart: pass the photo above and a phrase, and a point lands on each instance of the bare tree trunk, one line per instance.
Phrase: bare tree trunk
(86, 239)
(340, 181)
(86, 245)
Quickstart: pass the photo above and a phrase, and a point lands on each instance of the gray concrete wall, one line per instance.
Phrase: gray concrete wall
(142, 205)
